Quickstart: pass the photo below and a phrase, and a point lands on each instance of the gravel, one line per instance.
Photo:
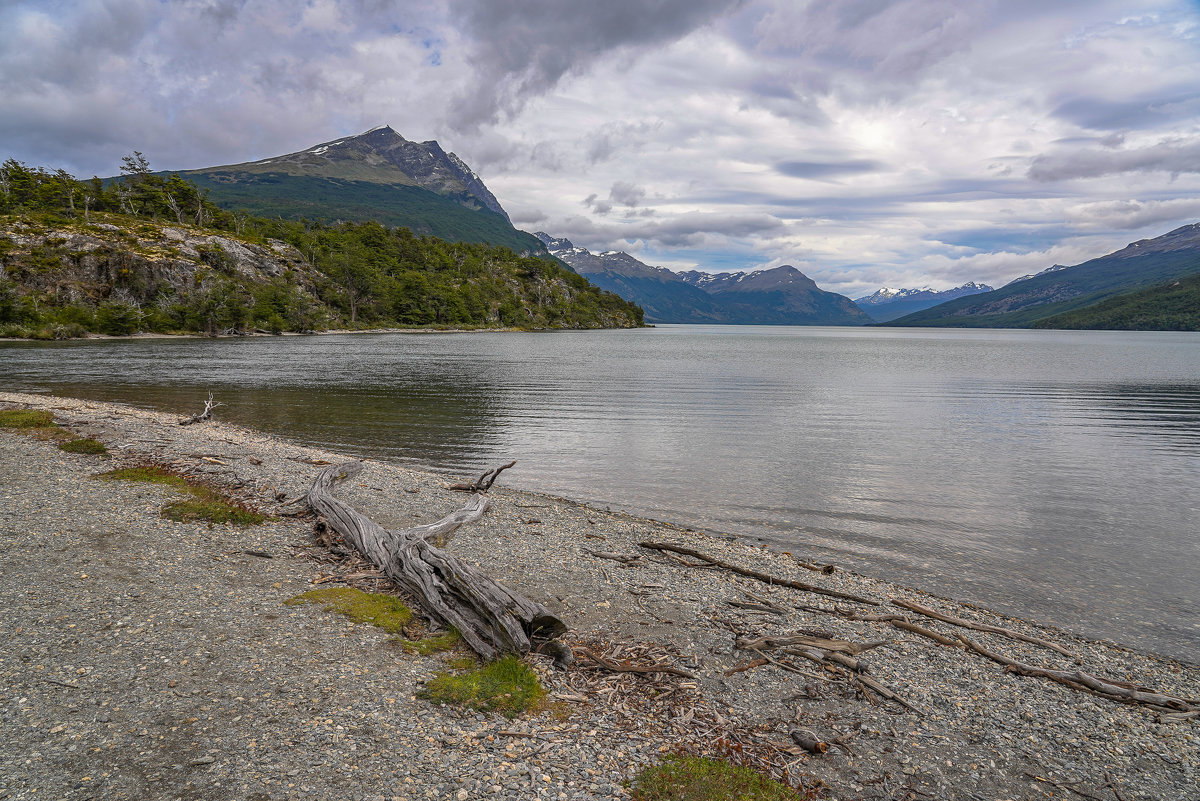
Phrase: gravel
(142, 658)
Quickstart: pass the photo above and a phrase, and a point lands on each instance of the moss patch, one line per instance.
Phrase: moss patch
(208, 505)
(204, 503)
(385, 611)
(85, 445)
(151, 474)
(432, 645)
(26, 418)
(689, 778)
(508, 686)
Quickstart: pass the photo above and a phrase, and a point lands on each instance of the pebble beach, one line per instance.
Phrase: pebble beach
(143, 658)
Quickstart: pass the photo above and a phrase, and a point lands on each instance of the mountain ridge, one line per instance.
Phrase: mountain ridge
(1024, 302)
(887, 304)
(774, 296)
(375, 176)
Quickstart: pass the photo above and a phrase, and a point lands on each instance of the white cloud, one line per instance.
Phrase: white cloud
(866, 141)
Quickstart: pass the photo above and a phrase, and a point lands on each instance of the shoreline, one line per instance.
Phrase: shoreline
(976, 714)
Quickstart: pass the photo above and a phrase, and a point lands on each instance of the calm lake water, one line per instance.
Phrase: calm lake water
(1055, 475)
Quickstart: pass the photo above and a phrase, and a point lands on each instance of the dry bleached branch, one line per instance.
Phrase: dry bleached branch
(200, 417)
(491, 618)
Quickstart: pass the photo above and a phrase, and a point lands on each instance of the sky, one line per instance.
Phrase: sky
(868, 143)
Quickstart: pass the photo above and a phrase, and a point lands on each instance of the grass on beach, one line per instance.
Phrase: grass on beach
(691, 778)
(508, 686)
(83, 445)
(203, 502)
(26, 418)
(385, 611)
(41, 425)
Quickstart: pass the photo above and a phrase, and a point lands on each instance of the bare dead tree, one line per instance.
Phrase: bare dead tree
(200, 417)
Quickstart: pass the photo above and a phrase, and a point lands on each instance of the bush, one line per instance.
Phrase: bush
(118, 319)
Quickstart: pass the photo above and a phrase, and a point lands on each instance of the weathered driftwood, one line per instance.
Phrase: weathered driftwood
(968, 624)
(741, 571)
(626, 667)
(484, 482)
(491, 618)
(1112, 689)
(804, 641)
(200, 417)
(808, 741)
(924, 632)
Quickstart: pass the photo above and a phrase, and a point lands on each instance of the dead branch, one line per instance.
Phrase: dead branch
(741, 571)
(967, 624)
(484, 482)
(491, 618)
(625, 559)
(904, 625)
(879, 689)
(618, 667)
(200, 417)
(808, 741)
(747, 665)
(1113, 690)
(802, 640)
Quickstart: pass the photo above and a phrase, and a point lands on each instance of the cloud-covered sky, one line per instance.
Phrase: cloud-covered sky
(867, 142)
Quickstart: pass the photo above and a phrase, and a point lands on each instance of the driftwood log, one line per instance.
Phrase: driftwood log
(492, 619)
(968, 624)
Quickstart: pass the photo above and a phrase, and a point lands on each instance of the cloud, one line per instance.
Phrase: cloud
(819, 170)
(1147, 111)
(626, 194)
(522, 48)
(1175, 157)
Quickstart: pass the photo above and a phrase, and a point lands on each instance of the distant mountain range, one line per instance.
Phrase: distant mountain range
(1085, 295)
(889, 304)
(378, 175)
(778, 296)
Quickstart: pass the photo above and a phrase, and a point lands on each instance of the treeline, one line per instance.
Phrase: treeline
(1173, 306)
(356, 275)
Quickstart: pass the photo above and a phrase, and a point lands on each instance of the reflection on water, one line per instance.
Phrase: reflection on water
(1052, 474)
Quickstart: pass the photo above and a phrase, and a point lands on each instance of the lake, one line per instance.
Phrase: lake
(1050, 474)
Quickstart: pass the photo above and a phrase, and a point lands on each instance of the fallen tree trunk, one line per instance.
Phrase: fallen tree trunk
(491, 618)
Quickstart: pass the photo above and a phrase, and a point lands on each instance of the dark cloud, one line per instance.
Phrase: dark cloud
(522, 48)
(626, 194)
(1174, 157)
(825, 170)
(1137, 113)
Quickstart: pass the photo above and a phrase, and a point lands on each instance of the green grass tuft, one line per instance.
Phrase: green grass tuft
(151, 474)
(432, 645)
(208, 505)
(26, 418)
(204, 503)
(508, 686)
(385, 611)
(689, 778)
(85, 445)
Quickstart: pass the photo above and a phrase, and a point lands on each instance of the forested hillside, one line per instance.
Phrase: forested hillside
(150, 253)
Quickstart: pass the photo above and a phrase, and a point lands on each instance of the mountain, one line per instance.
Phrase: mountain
(378, 175)
(1020, 304)
(889, 304)
(1051, 269)
(779, 296)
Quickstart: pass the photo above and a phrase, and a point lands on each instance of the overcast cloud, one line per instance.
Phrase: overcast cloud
(867, 142)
